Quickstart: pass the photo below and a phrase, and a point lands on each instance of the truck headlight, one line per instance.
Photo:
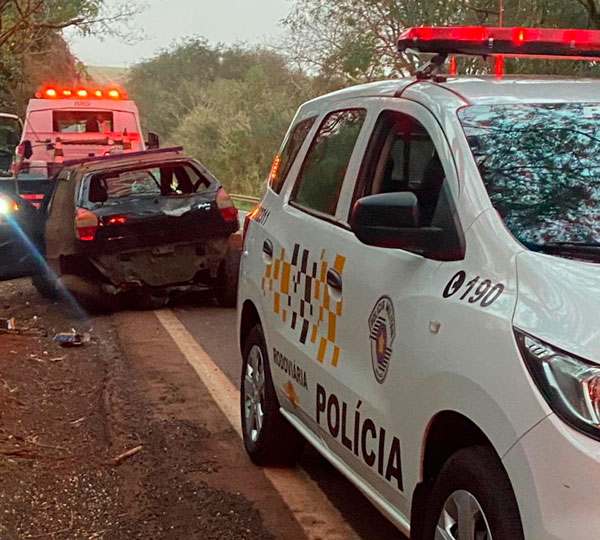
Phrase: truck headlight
(570, 385)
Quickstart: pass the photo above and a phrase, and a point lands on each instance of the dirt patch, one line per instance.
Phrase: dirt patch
(65, 414)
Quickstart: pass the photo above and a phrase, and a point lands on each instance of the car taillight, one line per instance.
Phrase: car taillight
(86, 224)
(115, 220)
(249, 217)
(226, 206)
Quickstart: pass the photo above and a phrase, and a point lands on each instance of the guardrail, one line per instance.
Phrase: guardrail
(245, 198)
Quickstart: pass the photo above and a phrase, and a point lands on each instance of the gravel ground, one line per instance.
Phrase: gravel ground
(66, 414)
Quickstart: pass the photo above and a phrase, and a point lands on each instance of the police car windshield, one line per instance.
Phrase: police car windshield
(540, 164)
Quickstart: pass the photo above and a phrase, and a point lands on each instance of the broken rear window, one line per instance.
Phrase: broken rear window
(131, 184)
(163, 180)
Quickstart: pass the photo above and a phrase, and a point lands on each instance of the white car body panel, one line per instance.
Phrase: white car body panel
(559, 302)
(449, 351)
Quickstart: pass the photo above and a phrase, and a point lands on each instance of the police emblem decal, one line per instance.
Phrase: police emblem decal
(382, 331)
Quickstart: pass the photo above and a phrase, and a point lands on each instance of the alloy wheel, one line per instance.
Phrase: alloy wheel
(254, 393)
(462, 518)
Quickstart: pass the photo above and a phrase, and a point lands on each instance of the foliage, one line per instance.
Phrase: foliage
(355, 40)
(230, 107)
(33, 50)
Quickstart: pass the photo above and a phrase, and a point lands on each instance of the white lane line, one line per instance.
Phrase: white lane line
(311, 508)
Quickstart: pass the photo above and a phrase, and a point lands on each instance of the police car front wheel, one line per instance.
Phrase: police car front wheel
(472, 499)
(269, 439)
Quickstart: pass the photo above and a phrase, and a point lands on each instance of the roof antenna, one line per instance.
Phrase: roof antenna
(431, 68)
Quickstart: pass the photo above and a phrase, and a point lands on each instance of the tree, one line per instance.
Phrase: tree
(228, 106)
(166, 87)
(355, 40)
(238, 123)
(171, 85)
(33, 50)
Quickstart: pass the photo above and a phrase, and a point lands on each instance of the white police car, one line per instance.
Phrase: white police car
(420, 294)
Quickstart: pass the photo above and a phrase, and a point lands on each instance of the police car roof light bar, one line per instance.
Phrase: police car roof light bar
(493, 41)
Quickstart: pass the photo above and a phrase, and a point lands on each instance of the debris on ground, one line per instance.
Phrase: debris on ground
(8, 324)
(64, 416)
(125, 455)
(72, 338)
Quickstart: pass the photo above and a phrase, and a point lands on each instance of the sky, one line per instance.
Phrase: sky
(166, 21)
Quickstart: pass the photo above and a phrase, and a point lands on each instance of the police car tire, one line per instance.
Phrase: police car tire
(477, 470)
(278, 443)
(227, 279)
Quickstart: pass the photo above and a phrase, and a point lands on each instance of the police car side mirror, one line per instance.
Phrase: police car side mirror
(386, 211)
(392, 220)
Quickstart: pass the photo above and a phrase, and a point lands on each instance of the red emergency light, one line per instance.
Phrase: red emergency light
(48, 93)
(51, 92)
(493, 41)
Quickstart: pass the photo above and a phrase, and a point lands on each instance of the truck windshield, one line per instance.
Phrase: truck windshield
(540, 164)
(82, 122)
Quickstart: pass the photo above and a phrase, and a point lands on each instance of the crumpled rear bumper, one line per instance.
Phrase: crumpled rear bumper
(162, 266)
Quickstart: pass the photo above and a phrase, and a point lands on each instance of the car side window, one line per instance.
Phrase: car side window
(286, 157)
(320, 180)
(402, 157)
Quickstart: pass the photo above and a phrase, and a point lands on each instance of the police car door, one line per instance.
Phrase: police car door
(388, 320)
(303, 282)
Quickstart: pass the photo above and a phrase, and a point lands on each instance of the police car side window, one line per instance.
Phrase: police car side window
(402, 157)
(290, 150)
(320, 180)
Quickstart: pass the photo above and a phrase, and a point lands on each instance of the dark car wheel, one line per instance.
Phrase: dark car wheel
(226, 287)
(45, 284)
(268, 437)
(472, 499)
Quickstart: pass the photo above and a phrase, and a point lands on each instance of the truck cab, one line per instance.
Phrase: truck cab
(66, 124)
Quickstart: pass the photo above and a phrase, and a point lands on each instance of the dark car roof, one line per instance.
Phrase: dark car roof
(124, 160)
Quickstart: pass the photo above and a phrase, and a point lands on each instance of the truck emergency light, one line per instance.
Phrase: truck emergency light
(493, 41)
(50, 92)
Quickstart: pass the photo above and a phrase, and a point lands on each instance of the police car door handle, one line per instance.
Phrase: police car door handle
(268, 248)
(334, 280)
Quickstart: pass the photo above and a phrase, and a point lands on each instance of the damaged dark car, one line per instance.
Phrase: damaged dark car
(140, 227)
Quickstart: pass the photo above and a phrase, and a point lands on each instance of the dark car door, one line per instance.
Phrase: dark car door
(20, 236)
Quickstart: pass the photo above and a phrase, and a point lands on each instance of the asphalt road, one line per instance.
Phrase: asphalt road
(215, 329)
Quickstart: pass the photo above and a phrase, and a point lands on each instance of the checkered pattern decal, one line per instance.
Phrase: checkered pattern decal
(298, 288)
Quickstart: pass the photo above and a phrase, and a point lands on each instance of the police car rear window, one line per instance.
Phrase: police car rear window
(540, 164)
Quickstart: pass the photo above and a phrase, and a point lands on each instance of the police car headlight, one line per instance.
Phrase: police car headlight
(570, 385)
